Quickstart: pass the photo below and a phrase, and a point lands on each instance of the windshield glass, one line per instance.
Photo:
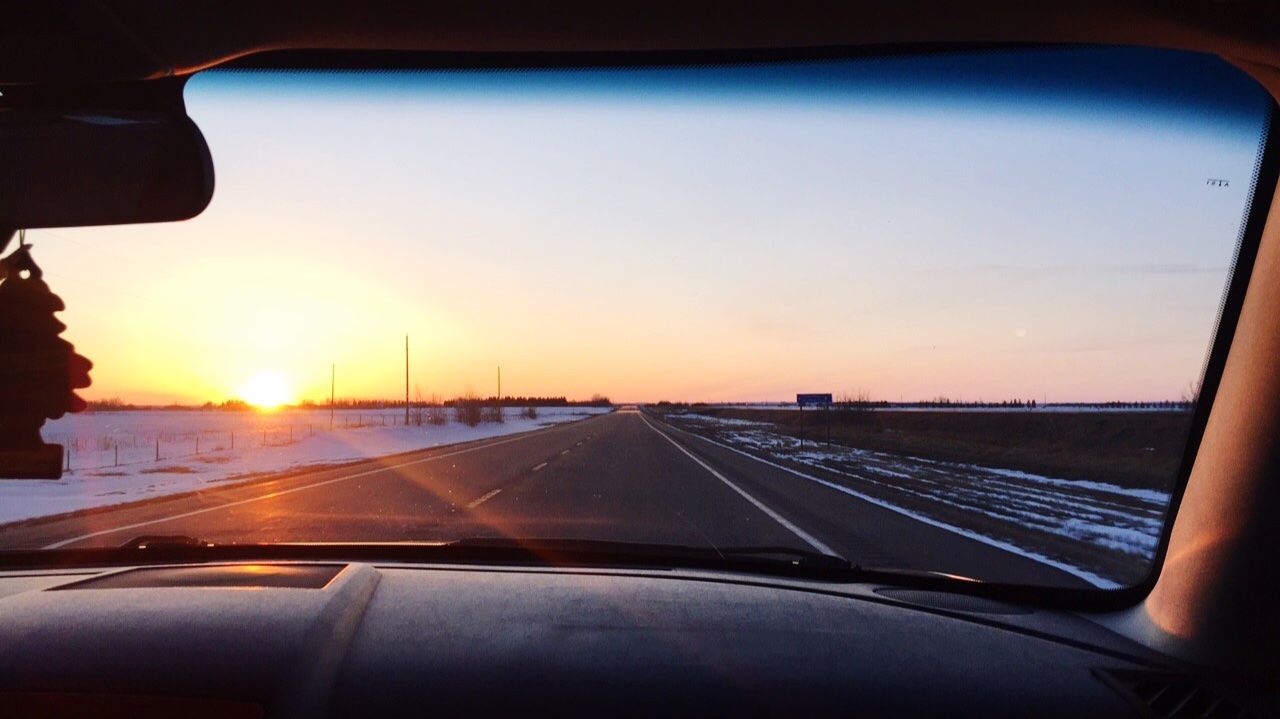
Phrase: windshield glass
(947, 312)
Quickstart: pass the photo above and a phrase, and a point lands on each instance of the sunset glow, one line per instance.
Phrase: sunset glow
(266, 390)
(737, 246)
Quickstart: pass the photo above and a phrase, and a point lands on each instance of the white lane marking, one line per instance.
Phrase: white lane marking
(539, 466)
(484, 499)
(808, 538)
(565, 452)
(1094, 579)
(272, 495)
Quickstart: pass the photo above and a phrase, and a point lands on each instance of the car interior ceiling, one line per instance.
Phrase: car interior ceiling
(1214, 602)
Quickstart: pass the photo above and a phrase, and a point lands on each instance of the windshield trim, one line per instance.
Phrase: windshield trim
(1262, 191)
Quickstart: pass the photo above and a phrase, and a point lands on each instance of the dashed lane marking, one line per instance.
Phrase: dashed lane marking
(484, 499)
(291, 490)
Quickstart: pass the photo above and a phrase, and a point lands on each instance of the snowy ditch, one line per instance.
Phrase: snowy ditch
(118, 457)
(1100, 532)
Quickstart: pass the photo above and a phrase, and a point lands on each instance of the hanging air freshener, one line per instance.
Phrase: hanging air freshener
(39, 371)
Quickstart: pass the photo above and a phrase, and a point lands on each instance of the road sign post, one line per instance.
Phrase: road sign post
(813, 400)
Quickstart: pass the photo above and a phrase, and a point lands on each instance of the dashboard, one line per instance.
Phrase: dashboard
(352, 639)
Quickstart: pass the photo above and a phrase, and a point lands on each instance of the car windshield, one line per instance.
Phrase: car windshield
(947, 312)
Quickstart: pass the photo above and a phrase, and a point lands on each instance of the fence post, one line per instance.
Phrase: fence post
(69, 463)
(157, 448)
(197, 443)
(116, 447)
(233, 439)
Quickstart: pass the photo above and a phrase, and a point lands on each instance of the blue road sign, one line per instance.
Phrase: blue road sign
(813, 400)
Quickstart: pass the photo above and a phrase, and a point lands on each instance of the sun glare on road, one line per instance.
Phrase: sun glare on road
(266, 390)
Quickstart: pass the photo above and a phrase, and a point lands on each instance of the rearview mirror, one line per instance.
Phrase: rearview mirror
(68, 167)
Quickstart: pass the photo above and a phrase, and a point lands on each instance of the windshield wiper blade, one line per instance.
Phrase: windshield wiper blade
(150, 541)
(773, 556)
(800, 557)
(794, 556)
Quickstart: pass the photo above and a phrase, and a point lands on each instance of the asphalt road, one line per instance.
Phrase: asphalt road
(624, 476)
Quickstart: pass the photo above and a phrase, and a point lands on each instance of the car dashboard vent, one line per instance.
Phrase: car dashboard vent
(1171, 695)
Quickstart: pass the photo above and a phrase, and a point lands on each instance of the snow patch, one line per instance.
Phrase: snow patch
(264, 443)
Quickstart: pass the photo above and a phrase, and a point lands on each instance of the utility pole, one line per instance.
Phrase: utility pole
(406, 380)
(333, 374)
(499, 388)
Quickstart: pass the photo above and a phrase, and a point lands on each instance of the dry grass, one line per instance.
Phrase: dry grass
(1131, 449)
(169, 469)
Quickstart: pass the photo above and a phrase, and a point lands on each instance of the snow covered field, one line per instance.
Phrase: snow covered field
(1100, 532)
(113, 455)
(1039, 409)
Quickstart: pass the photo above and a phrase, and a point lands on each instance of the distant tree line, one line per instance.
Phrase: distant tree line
(490, 401)
(115, 404)
(847, 403)
(944, 402)
(597, 400)
(111, 404)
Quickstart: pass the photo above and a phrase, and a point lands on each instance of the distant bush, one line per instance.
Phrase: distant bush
(492, 413)
(111, 404)
(437, 415)
(418, 413)
(853, 408)
(529, 412)
(467, 410)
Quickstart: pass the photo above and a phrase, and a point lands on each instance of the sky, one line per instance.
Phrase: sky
(1031, 224)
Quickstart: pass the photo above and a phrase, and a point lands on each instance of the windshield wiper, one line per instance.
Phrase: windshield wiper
(773, 557)
(795, 556)
(569, 550)
(149, 541)
(800, 557)
(768, 559)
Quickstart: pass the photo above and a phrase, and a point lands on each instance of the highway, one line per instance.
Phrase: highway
(624, 476)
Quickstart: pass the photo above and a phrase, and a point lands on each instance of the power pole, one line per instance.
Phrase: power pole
(499, 388)
(406, 380)
(333, 374)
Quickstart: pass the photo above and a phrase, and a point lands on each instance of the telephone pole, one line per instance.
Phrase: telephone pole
(499, 388)
(406, 380)
(333, 374)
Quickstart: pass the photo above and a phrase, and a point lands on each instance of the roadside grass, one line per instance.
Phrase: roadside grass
(169, 469)
(1135, 450)
(1078, 525)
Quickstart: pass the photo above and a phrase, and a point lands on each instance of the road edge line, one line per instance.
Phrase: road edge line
(1090, 577)
(786, 523)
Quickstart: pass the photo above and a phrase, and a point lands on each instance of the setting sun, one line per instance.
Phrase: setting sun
(266, 390)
